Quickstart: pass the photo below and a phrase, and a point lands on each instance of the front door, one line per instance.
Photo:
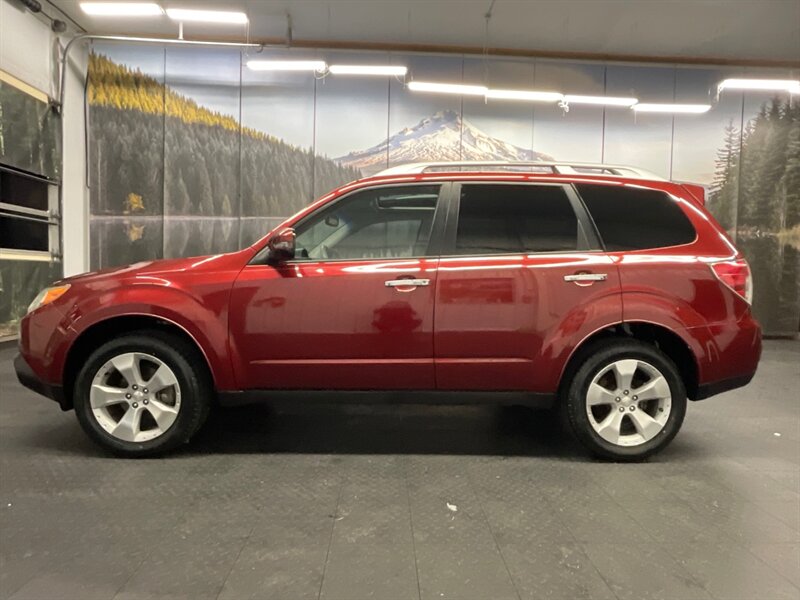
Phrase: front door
(521, 278)
(354, 310)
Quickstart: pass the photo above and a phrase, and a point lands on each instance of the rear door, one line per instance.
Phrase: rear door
(521, 277)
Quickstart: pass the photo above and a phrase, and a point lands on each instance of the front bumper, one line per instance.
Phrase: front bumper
(30, 380)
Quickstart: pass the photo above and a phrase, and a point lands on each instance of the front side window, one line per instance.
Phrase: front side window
(505, 219)
(387, 222)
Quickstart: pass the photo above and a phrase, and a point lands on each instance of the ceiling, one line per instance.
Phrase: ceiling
(731, 30)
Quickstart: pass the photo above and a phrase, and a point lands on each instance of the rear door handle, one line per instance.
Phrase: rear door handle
(408, 282)
(578, 277)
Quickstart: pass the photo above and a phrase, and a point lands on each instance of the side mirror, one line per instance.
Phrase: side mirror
(281, 246)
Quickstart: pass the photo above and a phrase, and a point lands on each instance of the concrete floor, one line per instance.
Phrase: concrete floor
(406, 502)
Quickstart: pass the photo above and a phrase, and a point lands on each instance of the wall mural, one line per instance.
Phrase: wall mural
(192, 153)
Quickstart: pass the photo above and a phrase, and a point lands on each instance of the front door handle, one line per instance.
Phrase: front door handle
(586, 277)
(395, 283)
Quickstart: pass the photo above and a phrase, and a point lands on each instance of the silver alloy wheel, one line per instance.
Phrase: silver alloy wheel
(135, 397)
(628, 402)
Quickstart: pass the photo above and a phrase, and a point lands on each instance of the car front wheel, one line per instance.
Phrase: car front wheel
(142, 394)
(626, 401)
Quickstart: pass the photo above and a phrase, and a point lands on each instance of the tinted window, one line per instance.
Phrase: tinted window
(497, 219)
(378, 223)
(23, 191)
(24, 218)
(635, 219)
(24, 234)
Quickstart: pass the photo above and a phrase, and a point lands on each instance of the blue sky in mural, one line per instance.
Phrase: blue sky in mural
(208, 76)
(696, 140)
(342, 115)
(507, 120)
(352, 111)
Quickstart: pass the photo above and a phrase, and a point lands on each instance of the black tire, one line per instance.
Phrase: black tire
(188, 365)
(596, 358)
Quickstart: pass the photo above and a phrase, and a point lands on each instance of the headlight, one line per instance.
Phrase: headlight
(48, 295)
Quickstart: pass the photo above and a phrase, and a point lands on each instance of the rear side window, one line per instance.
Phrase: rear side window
(504, 219)
(630, 218)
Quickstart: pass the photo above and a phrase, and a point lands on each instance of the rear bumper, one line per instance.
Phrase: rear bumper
(30, 380)
(733, 362)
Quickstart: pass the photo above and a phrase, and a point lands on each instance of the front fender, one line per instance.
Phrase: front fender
(204, 318)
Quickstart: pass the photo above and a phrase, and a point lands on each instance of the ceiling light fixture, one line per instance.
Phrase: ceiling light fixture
(672, 108)
(122, 9)
(601, 100)
(528, 95)
(776, 85)
(207, 16)
(387, 70)
(287, 65)
(447, 88)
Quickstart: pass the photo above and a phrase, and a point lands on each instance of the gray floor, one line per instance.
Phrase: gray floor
(406, 502)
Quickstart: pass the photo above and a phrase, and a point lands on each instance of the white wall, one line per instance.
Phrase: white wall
(28, 51)
(25, 47)
(75, 193)
(728, 29)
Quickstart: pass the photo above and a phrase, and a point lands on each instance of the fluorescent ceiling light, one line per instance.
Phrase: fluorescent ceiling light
(788, 85)
(122, 9)
(286, 65)
(447, 88)
(529, 95)
(368, 70)
(672, 108)
(603, 100)
(207, 16)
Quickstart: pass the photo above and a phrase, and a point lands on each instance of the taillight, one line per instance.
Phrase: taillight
(736, 275)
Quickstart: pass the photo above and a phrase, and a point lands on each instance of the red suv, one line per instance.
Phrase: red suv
(600, 290)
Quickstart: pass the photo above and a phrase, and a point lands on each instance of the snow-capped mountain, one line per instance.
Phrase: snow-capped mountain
(442, 137)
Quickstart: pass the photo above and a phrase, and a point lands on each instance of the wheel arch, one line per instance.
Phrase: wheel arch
(102, 331)
(663, 338)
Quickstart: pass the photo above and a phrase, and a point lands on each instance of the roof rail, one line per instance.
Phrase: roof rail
(564, 168)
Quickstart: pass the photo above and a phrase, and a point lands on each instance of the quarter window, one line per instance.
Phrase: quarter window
(630, 218)
(390, 222)
(501, 219)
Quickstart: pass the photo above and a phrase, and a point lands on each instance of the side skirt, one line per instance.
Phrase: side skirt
(242, 397)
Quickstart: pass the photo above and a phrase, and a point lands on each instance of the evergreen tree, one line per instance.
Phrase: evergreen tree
(227, 209)
(725, 188)
(133, 147)
(767, 213)
(202, 198)
(790, 182)
(751, 161)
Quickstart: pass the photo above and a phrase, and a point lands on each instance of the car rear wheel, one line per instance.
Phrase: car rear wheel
(142, 394)
(626, 401)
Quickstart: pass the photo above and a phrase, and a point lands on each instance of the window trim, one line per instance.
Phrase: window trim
(32, 255)
(7, 209)
(434, 243)
(588, 217)
(581, 216)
